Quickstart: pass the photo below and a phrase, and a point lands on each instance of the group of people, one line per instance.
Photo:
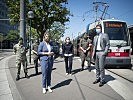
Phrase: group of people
(44, 52)
(96, 50)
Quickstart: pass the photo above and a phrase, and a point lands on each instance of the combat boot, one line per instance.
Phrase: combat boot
(26, 76)
(17, 78)
(82, 68)
(36, 70)
(89, 68)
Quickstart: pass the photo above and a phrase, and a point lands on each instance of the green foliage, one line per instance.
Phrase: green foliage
(57, 30)
(46, 12)
(12, 35)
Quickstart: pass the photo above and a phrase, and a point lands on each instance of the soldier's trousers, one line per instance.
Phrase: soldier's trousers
(85, 57)
(24, 63)
(36, 64)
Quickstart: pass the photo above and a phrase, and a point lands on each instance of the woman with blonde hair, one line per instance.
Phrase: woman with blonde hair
(46, 53)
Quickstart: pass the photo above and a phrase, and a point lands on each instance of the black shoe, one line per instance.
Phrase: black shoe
(96, 81)
(17, 78)
(101, 84)
(37, 73)
(36, 70)
(89, 69)
(82, 69)
(26, 76)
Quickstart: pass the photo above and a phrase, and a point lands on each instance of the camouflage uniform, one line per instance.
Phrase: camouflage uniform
(35, 56)
(20, 52)
(85, 56)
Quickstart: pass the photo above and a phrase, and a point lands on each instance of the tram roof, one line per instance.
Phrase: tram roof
(130, 26)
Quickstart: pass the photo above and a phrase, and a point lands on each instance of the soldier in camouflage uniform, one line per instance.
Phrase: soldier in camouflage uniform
(20, 52)
(35, 55)
(85, 47)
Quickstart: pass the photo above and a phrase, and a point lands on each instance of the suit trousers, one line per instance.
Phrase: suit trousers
(68, 63)
(99, 65)
(46, 67)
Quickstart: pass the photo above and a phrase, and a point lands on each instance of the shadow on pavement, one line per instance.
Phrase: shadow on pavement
(39, 73)
(63, 83)
(32, 75)
(79, 69)
(109, 78)
(76, 71)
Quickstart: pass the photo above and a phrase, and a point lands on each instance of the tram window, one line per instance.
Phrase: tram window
(117, 33)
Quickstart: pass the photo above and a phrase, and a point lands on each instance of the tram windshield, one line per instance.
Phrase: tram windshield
(118, 33)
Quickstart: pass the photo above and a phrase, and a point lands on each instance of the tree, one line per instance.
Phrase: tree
(46, 13)
(57, 31)
(13, 36)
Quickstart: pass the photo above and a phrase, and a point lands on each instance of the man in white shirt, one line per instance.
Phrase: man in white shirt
(100, 49)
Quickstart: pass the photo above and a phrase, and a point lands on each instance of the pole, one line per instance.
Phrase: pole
(30, 44)
(22, 21)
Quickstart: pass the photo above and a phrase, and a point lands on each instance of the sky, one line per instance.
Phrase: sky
(83, 14)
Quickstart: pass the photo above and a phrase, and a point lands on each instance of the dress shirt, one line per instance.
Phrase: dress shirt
(98, 43)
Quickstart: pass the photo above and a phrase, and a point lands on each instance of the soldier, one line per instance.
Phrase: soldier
(20, 52)
(35, 55)
(85, 47)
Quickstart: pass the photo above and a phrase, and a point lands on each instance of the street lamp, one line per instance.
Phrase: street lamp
(30, 16)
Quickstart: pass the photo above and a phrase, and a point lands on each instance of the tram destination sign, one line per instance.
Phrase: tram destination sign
(107, 24)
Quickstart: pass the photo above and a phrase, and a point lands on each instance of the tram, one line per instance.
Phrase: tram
(119, 53)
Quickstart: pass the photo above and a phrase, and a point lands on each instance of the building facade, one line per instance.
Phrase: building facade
(4, 22)
(5, 26)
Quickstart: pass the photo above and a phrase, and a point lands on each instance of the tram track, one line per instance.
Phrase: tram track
(122, 76)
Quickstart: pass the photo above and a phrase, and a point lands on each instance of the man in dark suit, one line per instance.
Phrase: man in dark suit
(101, 45)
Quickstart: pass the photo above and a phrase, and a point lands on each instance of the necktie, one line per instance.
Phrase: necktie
(98, 43)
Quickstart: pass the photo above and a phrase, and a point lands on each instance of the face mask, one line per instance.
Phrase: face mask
(47, 40)
(67, 41)
(98, 31)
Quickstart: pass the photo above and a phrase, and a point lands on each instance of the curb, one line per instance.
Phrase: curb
(13, 93)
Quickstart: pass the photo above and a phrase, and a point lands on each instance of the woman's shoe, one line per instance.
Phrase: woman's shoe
(44, 90)
(50, 90)
(66, 73)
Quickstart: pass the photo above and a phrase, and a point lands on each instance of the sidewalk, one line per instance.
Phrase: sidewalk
(76, 87)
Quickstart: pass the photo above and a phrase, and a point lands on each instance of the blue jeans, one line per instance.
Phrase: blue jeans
(46, 67)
